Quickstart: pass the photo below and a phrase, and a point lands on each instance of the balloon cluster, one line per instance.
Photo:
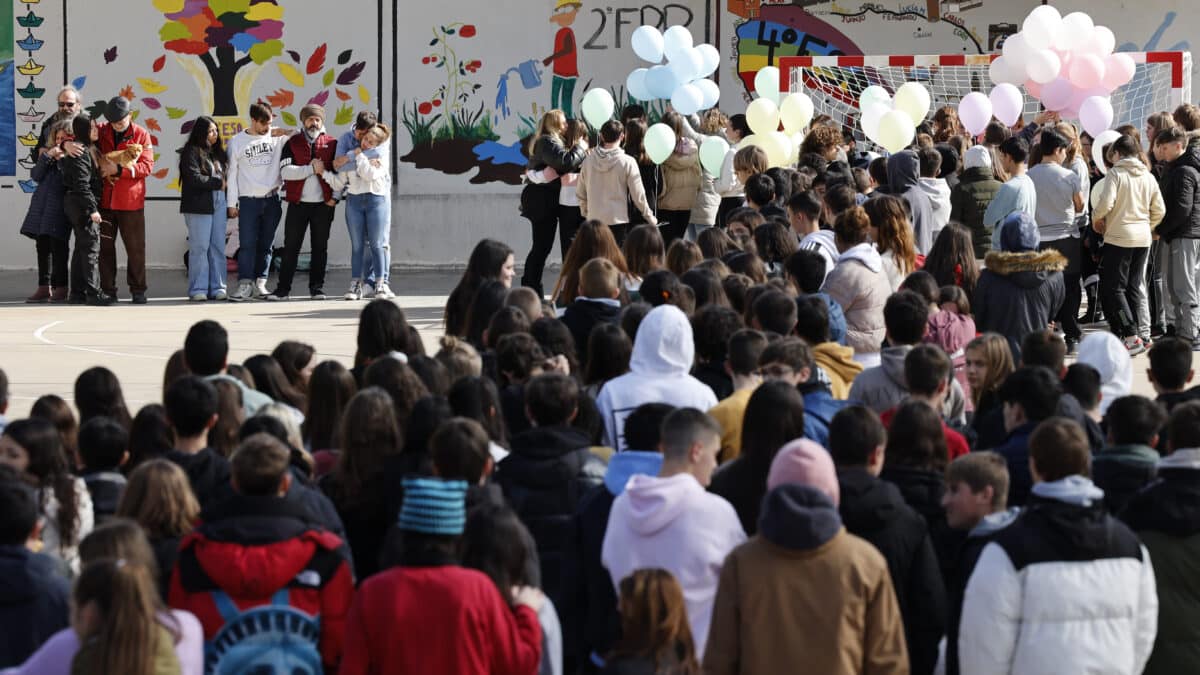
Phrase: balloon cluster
(891, 122)
(766, 113)
(1067, 63)
(683, 78)
(1005, 102)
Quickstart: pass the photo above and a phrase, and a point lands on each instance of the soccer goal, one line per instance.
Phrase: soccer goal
(1162, 81)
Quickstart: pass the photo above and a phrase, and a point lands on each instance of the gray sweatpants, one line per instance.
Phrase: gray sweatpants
(1184, 288)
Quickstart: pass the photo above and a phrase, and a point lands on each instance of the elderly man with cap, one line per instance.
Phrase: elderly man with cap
(1022, 288)
(306, 157)
(124, 199)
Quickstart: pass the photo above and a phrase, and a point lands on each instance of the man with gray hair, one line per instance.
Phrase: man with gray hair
(306, 157)
(68, 107)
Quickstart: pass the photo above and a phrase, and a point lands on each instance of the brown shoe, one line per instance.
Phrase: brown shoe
(40, 296)
(58, 294)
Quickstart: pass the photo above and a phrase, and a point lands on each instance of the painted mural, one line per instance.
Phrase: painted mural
(216, 57)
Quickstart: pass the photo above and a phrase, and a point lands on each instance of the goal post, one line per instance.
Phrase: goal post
(1162, 81)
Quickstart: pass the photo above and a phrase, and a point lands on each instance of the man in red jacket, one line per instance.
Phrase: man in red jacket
(124, 199)
(264, 579)
(306, 157)
(429, 614)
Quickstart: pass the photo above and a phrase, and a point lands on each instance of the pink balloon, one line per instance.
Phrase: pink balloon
(1096, 115)
(1007, 103)
(1078, 96)
(1118, 71)
(1086, 71)
(1057, 94)
(1065, 56)
(1034, 89)
(975, 111)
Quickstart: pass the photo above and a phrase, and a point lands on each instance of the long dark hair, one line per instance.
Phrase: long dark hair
(329, 390)
(485, 263)
(150, 435)
(81, 129)
(270, 379)
(98, 393)
(48, 468)
(774, 416)
(402, 385)
(654, 623)
(197, 140)
(368, 436)
(477, 398)
(58, 412)
(497, 543)
(916, 438)
(294, 357)
(608, 353)
(382, 329)
(951, 261)
(489, 299)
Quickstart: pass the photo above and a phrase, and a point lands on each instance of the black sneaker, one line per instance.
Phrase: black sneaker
(1072, 346)
(102, 300)
(139, 298)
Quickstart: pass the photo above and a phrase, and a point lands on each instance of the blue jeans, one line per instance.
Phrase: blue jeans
(368, 218)
(258, 218)
(206, 248)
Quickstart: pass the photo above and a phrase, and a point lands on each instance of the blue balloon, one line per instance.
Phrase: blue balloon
(635, 85)
(661, 81)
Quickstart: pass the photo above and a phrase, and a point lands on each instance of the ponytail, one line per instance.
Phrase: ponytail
(125, 596)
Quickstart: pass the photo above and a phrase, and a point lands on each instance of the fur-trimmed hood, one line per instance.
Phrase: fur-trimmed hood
(1010, 264)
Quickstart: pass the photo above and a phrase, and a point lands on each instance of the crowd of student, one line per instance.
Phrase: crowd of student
(816, 438)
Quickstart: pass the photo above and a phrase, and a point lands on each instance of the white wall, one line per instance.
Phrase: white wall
(439, 212)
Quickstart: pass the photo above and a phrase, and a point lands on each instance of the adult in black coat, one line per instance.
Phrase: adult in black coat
(1022, 288)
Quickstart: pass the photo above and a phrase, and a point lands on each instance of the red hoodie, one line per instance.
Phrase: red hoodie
(438, 620)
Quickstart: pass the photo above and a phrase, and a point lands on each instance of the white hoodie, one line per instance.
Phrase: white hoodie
(1105, 352)
(674, 524)
(939, 200)
(658, 373)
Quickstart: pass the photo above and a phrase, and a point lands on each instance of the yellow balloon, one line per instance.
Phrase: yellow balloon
(913, 98)
(778, 148)
(896, 130)
(796, 111)
(752, 139)
(762, 115)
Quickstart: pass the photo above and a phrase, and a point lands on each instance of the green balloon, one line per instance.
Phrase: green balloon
(712, 154)
(598, 107)
(659, 142)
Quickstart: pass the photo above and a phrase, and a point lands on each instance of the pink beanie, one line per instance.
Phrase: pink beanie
(804, 462)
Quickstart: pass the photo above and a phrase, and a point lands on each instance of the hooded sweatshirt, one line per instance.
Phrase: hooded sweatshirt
(1105, 352)
(858, 284)
(663, 353)
(608, 180)
(674, 524)
(1130, 203)
(838, 363)
(805, 596)
(904, 180)
(1018, 194)
(822, 242)
(939, 200)
(884, 386)
(681, 175)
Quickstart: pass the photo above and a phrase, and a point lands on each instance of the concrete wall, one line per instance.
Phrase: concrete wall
(453, 184)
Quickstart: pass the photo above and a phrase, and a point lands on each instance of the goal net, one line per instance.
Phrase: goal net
(1162, 81)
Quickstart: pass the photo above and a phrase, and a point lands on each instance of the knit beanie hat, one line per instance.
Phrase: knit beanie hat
(312, 110)
(804, 462)
(434, 506)
(977, 156)
(1019, 232)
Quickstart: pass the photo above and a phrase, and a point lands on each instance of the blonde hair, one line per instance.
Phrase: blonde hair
(553, 124)
(599, 278)
(751, 159)
(1074, 148)
(998, 356)
(127, 599)
(460, 358)
(381, 132)
(159, 498)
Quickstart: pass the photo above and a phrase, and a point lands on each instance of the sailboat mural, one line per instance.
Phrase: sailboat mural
(31, 92)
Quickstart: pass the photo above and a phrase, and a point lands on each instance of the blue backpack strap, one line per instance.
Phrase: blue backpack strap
(225, 606)
(281, 598)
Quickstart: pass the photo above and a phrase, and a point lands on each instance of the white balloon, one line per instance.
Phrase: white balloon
(795, 111)
(896, 131)
(647, 43)
(711, 59)
(1007, 103)
(1044, 65)
(778, 147)
(635, 85)
(661, 82)
(766, 83)
(710, 91)
(1041, 26)
(1016, 51)
(874, 94)
(687, 99)
(1103, 41)
(1098, 148)
(1001, 71)
(1076, 31)
(687, 66)
(871, 114)
(676, 41)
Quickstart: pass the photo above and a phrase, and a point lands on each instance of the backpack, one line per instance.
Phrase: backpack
(272, 639)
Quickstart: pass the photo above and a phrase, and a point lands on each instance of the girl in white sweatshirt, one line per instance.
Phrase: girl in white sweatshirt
(368, 185)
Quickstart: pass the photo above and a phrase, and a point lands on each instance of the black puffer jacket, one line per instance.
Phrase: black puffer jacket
(1180, 186)
(969, 199)
(1019, 293)
(544, 479)
(549, 151)
(875, 510)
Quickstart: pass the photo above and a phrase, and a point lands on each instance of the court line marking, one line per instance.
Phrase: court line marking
(40, 335)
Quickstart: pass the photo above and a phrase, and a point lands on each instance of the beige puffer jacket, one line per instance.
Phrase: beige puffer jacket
(681, 177)
(1130, 204)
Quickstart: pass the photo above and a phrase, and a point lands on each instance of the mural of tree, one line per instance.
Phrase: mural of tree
(218, 31)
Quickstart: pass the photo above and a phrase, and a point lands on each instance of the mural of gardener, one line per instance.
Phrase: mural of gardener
(564, 58)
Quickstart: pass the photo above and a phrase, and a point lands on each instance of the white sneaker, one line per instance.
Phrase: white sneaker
(274, 297)
(370, 290)
(260, 288)
(355, 292)
(244, 291)
(383, 291)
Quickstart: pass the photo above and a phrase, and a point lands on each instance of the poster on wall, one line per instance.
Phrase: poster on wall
(475, 79)
(215, 58)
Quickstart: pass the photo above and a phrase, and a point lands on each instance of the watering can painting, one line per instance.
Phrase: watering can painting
(531, 78)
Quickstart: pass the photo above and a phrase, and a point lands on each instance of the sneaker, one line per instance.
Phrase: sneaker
(220, 296)
(260, 288)
(317, 294)
(370, 290)
(355, 292)
(1072, 346)
(197, 297)
(1196, 345)
(244, 291)
(275, 297)
(383, 291)
(1134, 345)
(139, 298)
